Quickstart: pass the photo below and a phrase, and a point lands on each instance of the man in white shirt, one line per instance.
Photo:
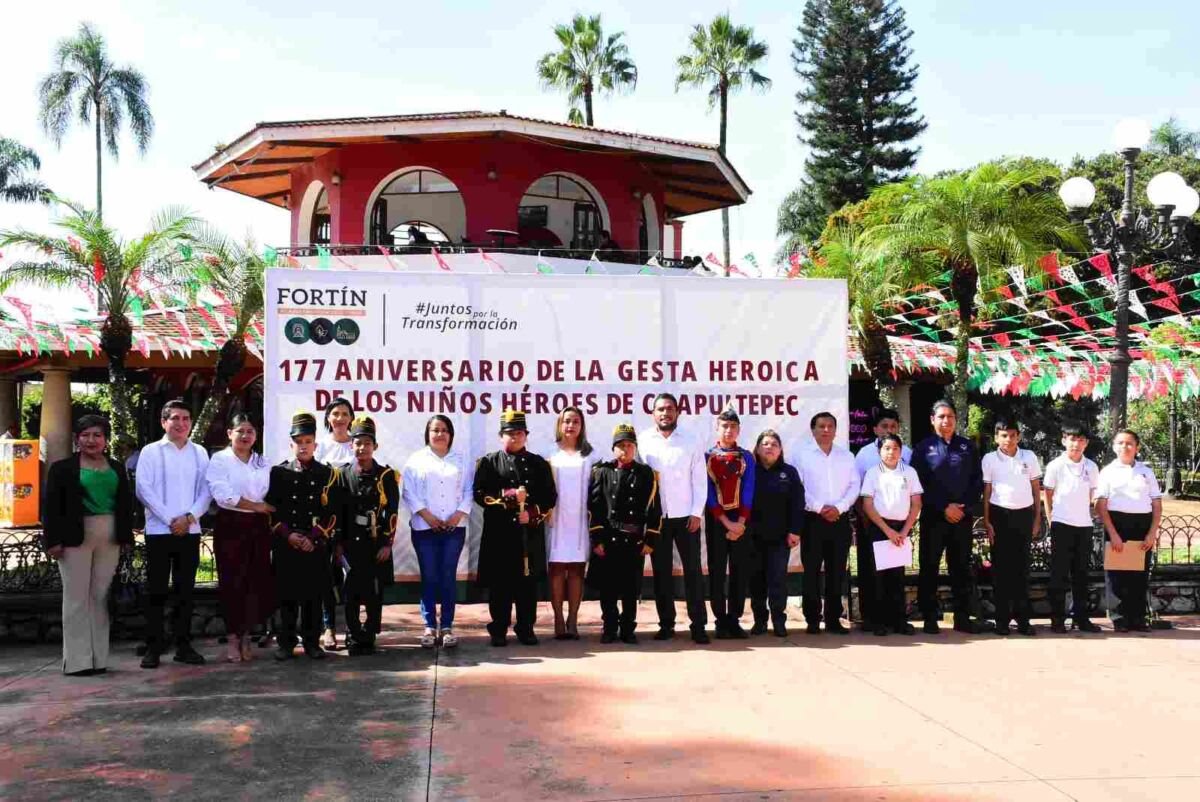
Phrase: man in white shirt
(1013, 518)
(887, 421)
(171, 484)
(683, 488)
(830, 489)
(1069, 486)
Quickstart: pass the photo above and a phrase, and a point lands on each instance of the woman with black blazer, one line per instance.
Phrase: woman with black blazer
(86, 518)
(776, 523)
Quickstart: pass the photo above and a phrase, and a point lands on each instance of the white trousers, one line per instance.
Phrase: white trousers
(87, 573)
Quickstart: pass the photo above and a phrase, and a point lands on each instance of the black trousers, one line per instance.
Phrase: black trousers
(727, 559)
(1070, 547)
(939, 536)
(621, 575)
(674, 530)
(334, 593)
(768, 581)
(356, 599)
(824, 549)
(885, 589)
(1130, 586)
(1010, 563)
(506, 592)
(866, 568)
(171, 562)
(309, 612)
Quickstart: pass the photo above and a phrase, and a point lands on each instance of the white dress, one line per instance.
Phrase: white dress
(567, 535)
(335, 454)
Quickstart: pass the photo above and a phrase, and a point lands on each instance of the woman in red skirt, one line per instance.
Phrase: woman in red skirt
(238, 478)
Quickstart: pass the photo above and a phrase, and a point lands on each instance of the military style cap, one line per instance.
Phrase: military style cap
(363, 426)
(512, 420)
(623, 432)
(303, 423)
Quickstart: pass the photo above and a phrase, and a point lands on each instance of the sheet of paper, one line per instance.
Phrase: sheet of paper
(891, 556)
(1130, 558)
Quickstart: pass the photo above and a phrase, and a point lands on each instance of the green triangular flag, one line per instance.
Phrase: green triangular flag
(185, 251)
(323, 258)
(542, 265)
(135, 306)
(270, 257)
(1108, 317)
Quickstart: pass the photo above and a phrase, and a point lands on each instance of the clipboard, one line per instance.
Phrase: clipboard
(1130, 558)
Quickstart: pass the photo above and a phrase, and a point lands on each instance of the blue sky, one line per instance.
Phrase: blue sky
(1040, 78)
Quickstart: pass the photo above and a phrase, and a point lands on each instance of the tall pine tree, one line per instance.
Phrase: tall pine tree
(856, 110)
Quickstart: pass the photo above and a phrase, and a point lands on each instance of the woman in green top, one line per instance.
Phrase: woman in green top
(86, 518)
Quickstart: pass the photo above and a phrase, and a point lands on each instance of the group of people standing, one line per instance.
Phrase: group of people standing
(299, 539)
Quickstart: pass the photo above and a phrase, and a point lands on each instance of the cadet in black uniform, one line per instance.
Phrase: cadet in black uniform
(516, 490)
(304, 523)
(373, 500)
(625, 515)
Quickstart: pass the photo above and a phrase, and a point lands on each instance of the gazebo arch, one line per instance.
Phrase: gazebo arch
(441, 206)
(551, 205)
(309, 207)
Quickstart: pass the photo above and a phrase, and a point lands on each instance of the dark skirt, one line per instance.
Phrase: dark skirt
(242, 546)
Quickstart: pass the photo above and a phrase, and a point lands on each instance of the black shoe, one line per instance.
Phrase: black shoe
(499, 640)
(83, 672)
(1140, 626)
(285, 652)
(1087, 625)
(1120, 625)
(931, 627)
(608, 637)
(721, 632)
(528, 639)
(814, 628)
(314, 651)
(779, 627)
(759, 628)
(629, 637)
(358, 649)
(700, 636)
(562, 635)
(150, 659)
(737, 633)
(1027, 629)
(141, 650)
(1058, 626)
(98, 671)
(186, 654)
(1001, 629)
(881, 631)
(836, 628)
(968, 626)
(664, 633)
(906, 629)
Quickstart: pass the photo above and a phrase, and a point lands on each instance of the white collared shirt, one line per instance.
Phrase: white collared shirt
(891, 490)
(679, 463)
(171, 482)
(230, 479)
(442, 485)
(829, 479)
(1128, 488)
(1073, 484)
(868, 457)
(1011, 478)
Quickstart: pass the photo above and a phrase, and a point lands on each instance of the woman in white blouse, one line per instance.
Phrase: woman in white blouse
(567, 545)
(336, 449)
(437, 486)
(238, 479)
(1129, 504)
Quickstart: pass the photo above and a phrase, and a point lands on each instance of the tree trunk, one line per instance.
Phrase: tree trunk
(587, 104)
(116, 340)
(963, 284)
(99, 161)
(877, 354)
(229, 364)
(721, 148)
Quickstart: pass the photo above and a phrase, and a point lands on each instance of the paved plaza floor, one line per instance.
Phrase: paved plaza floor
(955, 717)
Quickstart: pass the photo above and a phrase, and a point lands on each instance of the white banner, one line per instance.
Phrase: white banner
(403, 344)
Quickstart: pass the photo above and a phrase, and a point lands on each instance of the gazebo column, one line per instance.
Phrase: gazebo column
(56, 413)
(10, 409)
(904, 407)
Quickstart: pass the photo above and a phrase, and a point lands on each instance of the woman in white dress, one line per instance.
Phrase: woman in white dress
(567, 543)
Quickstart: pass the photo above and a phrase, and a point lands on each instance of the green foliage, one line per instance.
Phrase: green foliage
(585, 63)
(1041, 421)
(856, 110)
(18, 184)
(95, 402)
(1172, 139)
(800, 221)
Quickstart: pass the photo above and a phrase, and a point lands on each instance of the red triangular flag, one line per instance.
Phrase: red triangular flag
(437, 255)
(1101, 263)
(97, 267)
(1049, 264)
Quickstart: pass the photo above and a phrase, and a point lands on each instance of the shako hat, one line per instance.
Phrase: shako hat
(512, 420)
(363, 426)
(623, 432)
(303, 423)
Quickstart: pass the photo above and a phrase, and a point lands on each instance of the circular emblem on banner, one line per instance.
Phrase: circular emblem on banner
(345, 332)
(296, 330)
(320, 331)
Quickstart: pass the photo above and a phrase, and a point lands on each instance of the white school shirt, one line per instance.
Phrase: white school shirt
(829, 479)
(230, 479)
(682, 478)
(1128, 488)
(891, 490)
(171, 482)
(868, 457)
(442, 485)
(1010, 478)
(1072, 483)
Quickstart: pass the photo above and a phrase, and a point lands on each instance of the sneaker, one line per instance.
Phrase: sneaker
(1087, 625)
(931, 627)
(429, 639)
(150, 659)
(700, 636)
(186, 654)
(664, 633)
(449, 639)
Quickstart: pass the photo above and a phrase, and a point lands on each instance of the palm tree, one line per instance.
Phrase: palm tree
(17, 185)
(88, 85)
(727, 57)
(1172, 139)
(872, 279)
(236, 271)
(94, 256)
(974, 224)
(587, 62)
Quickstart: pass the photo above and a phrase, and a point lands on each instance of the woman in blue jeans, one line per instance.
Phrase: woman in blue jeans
(437, 492)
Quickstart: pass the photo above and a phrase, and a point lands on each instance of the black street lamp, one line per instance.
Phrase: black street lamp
(1132, 235)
